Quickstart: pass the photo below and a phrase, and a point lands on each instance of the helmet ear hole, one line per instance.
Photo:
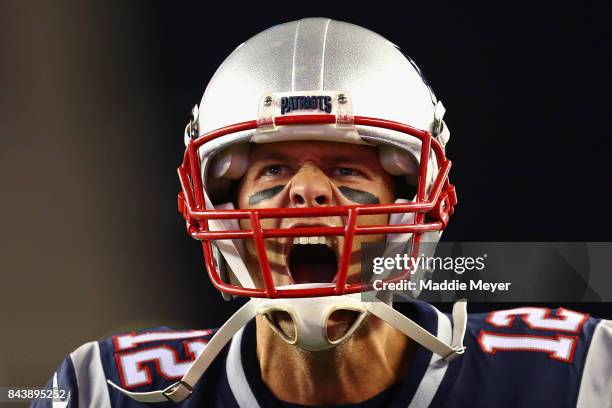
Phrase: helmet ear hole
(397, 162)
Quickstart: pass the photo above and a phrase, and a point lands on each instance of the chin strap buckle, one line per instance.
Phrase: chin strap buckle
(457, 351)
(459, 326)
(178, 391)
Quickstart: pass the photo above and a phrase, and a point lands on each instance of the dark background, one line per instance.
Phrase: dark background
(95, 96)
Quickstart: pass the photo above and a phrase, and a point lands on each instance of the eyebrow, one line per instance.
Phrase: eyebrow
(276, 156)
(347, 158)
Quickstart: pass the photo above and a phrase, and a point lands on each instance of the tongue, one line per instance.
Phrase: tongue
(313, 272)
(312, 263)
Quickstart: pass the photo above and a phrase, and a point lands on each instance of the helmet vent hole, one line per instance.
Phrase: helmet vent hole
(340, 322)
(283, 324)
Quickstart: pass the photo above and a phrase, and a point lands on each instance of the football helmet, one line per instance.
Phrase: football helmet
(313, 79)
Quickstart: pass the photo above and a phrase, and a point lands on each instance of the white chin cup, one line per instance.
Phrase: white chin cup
(310, 316)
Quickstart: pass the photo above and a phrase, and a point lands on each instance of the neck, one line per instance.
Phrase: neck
(373, 359)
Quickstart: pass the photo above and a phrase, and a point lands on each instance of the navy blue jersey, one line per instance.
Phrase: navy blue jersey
(522, 357)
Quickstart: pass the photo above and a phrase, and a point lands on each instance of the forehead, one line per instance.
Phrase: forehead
(318, 151)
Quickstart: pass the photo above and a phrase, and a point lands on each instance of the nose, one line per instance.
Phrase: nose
(310, 187)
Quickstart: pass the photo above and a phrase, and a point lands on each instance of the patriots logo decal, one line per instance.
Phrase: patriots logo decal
(293, 103)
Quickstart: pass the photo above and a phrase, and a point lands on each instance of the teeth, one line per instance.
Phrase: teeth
(312, 241)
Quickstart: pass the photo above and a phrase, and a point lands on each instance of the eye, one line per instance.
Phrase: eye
(346, 172)
(274, 170)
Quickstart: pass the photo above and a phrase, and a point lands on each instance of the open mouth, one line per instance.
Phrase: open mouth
(313, 259)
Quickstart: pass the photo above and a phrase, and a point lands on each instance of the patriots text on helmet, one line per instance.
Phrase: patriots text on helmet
(293, 103)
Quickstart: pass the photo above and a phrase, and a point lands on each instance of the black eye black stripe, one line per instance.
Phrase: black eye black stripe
(265, 194)
(358, 196)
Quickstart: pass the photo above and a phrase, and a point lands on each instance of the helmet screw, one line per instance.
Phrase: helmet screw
(342, 98)
(268, 100)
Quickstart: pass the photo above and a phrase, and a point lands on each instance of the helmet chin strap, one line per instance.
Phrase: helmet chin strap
(310, 333)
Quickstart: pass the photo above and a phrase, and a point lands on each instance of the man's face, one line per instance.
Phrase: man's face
(300, 174)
